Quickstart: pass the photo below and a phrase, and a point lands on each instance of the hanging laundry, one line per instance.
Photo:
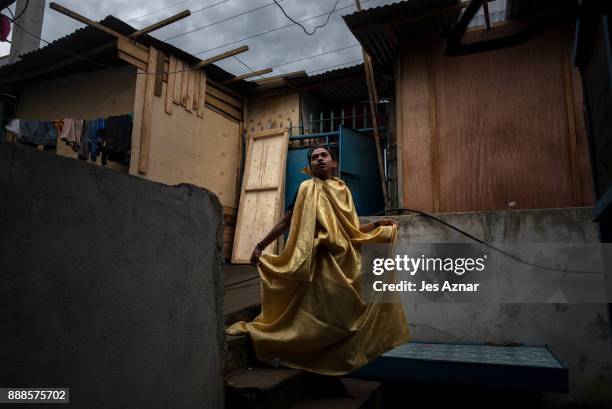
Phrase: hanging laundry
(13, 127)
(37, 132)
(5, 27)
(118, 139)
(91, 139)
(72, 130)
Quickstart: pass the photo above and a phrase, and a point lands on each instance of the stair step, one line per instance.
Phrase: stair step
(370, 397)
(266, 388)
(239, 354)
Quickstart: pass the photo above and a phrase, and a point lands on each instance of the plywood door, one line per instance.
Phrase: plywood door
(262, 195)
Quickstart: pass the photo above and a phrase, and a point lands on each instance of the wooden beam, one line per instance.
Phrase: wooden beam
(248, 75)
(295, 74)
(373, 97)
(162, 23)
(85, 20)
(159, 73)
(221, 56)
(147, 115)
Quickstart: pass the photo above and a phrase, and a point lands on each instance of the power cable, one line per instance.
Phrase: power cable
(334, 66)
(156, 11)
(22, 11)
(218, 21)
(272, 30)
(315, 55)
(468, 235)
(176, 4)
(300, 25)
(245, 64)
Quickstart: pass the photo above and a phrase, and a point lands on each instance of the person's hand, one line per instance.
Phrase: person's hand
(255, 255)
(388, 222)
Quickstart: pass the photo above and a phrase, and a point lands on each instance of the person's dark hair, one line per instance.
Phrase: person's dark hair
(332, 153)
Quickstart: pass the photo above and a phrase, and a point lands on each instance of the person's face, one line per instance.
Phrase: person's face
(322, 163)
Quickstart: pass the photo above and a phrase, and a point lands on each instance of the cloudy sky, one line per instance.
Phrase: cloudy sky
(284, 43)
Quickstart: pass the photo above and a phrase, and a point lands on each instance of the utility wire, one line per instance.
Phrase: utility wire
(218, 22)
(299, 24)
(22, 11)
(334, 66)
(176, 4)
(156, 11)
(245, 64)
(174, 72)
(468, 235)
(315, 55)
(272, 30)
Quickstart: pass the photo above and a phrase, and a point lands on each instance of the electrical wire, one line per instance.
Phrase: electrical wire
(156, 11)
(315, 55)
(245, 64)
(218, 22)
(334, 66)
(300, 25)
(468, 235)
(272, 30)
(22, 11)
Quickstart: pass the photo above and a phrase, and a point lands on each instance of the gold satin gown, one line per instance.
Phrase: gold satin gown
(312, 316)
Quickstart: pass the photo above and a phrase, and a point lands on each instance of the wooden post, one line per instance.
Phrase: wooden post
(373, 96)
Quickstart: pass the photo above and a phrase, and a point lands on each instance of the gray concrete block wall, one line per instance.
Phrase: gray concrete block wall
(578, 334)
(111, 285)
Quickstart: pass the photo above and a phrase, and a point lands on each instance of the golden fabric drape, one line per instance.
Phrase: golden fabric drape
(312, 316)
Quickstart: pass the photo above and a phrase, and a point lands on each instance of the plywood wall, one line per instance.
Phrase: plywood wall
(280, 111)
(185, 148)
(96, 94)
(491, 131)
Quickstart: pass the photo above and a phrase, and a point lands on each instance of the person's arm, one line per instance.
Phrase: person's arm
(365, 228)
(275, 233)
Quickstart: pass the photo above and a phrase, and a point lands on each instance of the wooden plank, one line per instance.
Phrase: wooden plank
(196, 90)
(170, 85)
(224, 88)
(190, 90)
(248, 75)
(399, 142)
(178, 83)
(221, 56)
(159, 72)
(130, 47)
(162, 23)
(433, 125)
(85, 20)
(260, 210)
(228, 99)
(147, 114)
(571, 125)
(223, 114)
(185, 85)
(230, 110)
(133, 61)
(202, 94)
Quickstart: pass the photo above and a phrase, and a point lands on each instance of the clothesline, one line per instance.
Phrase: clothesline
(110, 138)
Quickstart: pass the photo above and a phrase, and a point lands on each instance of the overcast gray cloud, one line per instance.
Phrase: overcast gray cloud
(266, 50)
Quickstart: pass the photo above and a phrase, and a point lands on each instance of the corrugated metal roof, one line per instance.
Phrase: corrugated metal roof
(378, 29)
(86, 39)
(346, 84)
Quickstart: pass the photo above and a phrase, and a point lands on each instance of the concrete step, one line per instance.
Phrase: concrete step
(370, 397)
(242, 298)
(237, 354)
(266, 388)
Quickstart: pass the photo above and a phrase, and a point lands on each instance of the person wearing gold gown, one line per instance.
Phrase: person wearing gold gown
(312, 315)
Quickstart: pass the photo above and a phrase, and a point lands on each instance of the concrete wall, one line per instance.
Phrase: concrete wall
(578, 334)
(111, 285)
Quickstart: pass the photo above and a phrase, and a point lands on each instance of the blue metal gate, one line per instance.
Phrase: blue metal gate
(357, 166)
